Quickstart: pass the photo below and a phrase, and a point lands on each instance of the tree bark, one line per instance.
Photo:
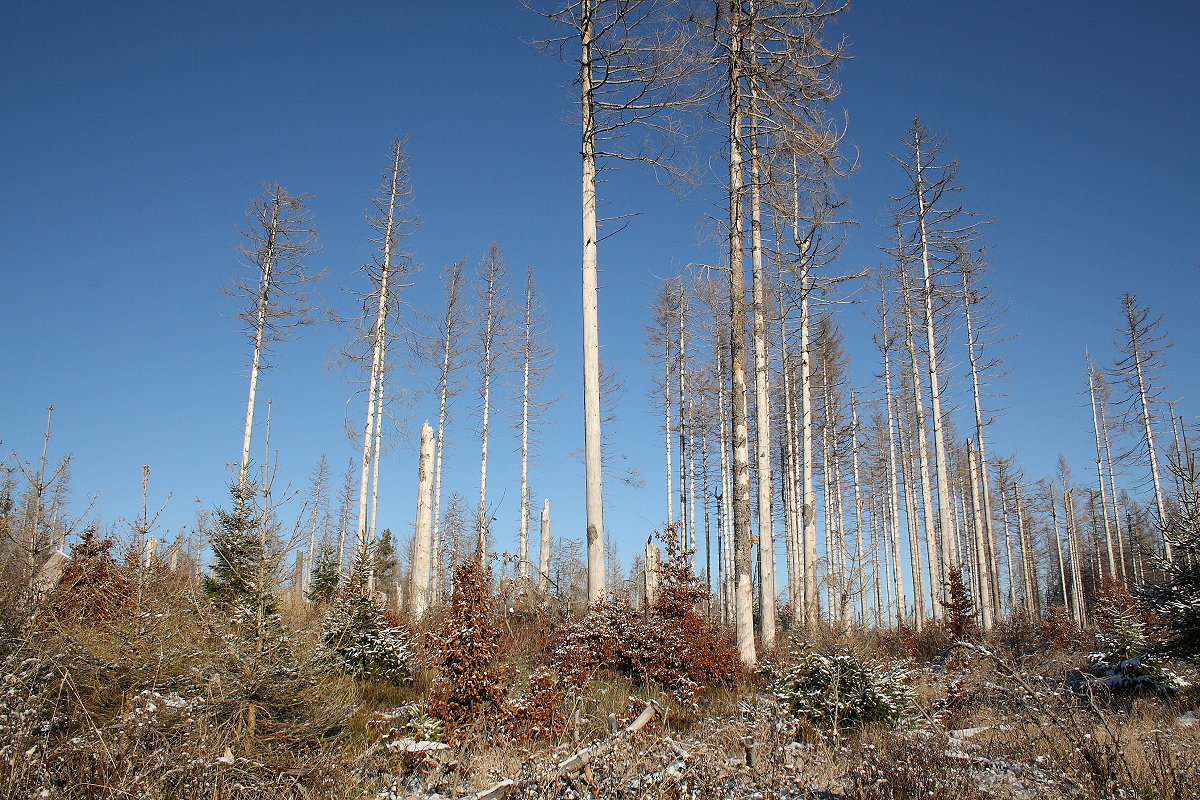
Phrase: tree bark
(423, 537)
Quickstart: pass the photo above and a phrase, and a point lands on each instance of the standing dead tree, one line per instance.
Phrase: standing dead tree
(492, 335)
(1142, 346)
(633, 70)
(381, 307)
(537, 358)
(279, 238)
(448, 348)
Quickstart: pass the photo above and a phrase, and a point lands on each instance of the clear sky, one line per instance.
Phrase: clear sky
(134, 133)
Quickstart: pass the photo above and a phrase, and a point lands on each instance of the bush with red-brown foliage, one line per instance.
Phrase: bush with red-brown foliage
(470, 677)
(94, 585)
(670, 644)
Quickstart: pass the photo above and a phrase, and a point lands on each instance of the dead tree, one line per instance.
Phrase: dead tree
(633, 70)
(279, 238)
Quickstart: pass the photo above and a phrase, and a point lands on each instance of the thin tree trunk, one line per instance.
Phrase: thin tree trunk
(1108, 539)
(684, 421)
(449, 331)
(793, 525)
(892, 478)
(989, 532)
(858, 515)
(912, 519)
(593, 465)
(264, 291)
(544, 550)
(742, 535)
(527, 356)
(418, 597)
(762, 396)
(947, 556)
(918, 404)
(667, 427)
(984, 576)
(379, 340)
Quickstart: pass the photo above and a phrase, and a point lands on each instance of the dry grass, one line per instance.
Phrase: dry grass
(150, 700)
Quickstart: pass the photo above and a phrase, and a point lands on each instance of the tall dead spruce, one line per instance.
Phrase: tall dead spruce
(492, 333)
(386, 274)
(279, 238)
(776, 80)
(537, 357)
(633, 70)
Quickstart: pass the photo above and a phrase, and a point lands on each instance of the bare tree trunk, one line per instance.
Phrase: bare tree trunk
(266, 267)
(450, 332)
(918, 404)
(912, 518)
(527, 356)
(725, 518)
(945, 524)
(652, 560)
(1073, 547)
(742, 535)
(418, 597)
(491, 338)
(347, 498)
(593, 465)
(681, 370)
(793, 526)
(384, 296)
(667, 427)
(544, 550)
(892, 477)
(858, 515)
(1027, 565)
(984, 573)
(376, 450)
(762, 395)
(984, 478)
(1008, 547)
(1108, 538)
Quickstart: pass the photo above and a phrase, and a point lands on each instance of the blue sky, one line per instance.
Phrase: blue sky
(135, 133)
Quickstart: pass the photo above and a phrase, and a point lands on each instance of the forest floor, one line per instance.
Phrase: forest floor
(128, 686)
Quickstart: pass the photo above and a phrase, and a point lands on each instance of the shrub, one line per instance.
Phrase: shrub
(1123, 661)
(958, 605)
(838, 690)
(671, 644)
(357, 640)
(1175, 598)
(326, 574)
(94, 586)
(469, 678)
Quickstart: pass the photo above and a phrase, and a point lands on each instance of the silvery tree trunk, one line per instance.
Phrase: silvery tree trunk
(983, 571)
(1142, 359)
(742, 534)
(918, 413)
(418, 596)
(544, 550)
(1108, 536)
(762, 394)
(592, 443)
(892, 477)
(536, 361)
(970, 297)
(450, 330)
(860, 553)
(385, 276)
(279, 236)
(491, 341)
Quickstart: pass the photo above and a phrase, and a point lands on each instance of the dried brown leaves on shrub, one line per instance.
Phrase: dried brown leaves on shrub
(670, 644)
(470, 677)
